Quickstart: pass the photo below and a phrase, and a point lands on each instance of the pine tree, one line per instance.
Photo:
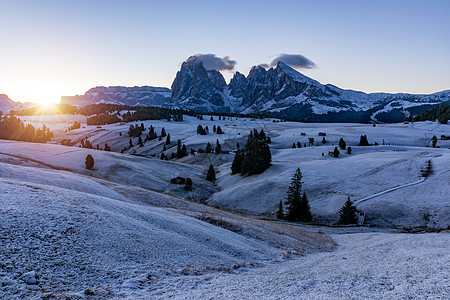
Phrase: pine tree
(280, 212)
(347, 214)
(297, 205)
(306, 209)
(179, 149)
(188, 184)
(219, 130)
(363, 141)
(89, 162)
(168, 139)
(433, 141)
(324, 141)
(208, 148)
(131, 143)
(336, 152)
(293, 145)
(163, 132)
(236, 166)
(214, 128)
(218, 149)
(183, 151)
(211, 175)
(140, 141)
(349, 150)
(342, 144)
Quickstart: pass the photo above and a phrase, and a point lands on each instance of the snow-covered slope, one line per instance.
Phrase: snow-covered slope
(284, 92)
(62, 233)
(138, 95)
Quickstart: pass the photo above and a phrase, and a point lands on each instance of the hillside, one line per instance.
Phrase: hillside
(327, 180)
(122, 230)
(77, 233)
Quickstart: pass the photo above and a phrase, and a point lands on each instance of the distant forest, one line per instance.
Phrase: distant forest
(12, 128)
(440, 113)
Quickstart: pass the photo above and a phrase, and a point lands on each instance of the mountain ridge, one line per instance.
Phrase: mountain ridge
(284, 92)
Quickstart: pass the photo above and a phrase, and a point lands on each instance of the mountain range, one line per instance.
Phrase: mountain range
(284, 92)
(134, 96)
(279, 91)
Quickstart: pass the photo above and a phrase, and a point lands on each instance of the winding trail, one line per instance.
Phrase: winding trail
(422, 179)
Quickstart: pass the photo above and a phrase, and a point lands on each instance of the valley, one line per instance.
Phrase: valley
(123, 230)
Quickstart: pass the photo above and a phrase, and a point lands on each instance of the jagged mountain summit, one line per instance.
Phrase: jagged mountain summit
(284, 92)
(138, 95)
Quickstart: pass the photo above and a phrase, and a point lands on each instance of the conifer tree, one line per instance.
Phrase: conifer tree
(211, 175)
(297, 206)
(280, 212)
(324, 141)
(188, 184)
(168, 139)
(208, 148)
(347, 214)
(349, 150)
(183, 151)
(218, 149)
(131, 143)
(236, 165)
(336, 152)
(89, 162)
(293, 145)
(306, 209)
(342, 144)
(214, 128)
(179, 149)
(163, 132)
(363, 141)
(219, 130)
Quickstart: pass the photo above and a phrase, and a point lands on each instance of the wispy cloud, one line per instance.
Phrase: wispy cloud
(212, 62)
(296, 61)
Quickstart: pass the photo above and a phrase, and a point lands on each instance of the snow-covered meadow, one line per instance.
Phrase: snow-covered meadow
(122, 230)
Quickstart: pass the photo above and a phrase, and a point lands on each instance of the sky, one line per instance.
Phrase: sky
(54, 48)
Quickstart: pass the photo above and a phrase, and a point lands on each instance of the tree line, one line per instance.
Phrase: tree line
(12, 128)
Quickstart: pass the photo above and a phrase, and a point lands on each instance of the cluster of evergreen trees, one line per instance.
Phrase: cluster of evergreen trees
(103, 119)
(201, 130)
(136, 131)
(12, 128)
(74, 126)
(297, 204)
(440, 113)
(297, 207)
(109, 113)
(255, 157)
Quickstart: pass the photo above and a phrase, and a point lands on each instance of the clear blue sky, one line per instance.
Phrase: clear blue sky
(54, 48)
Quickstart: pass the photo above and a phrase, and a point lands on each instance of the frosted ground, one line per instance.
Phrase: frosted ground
(123, 231)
